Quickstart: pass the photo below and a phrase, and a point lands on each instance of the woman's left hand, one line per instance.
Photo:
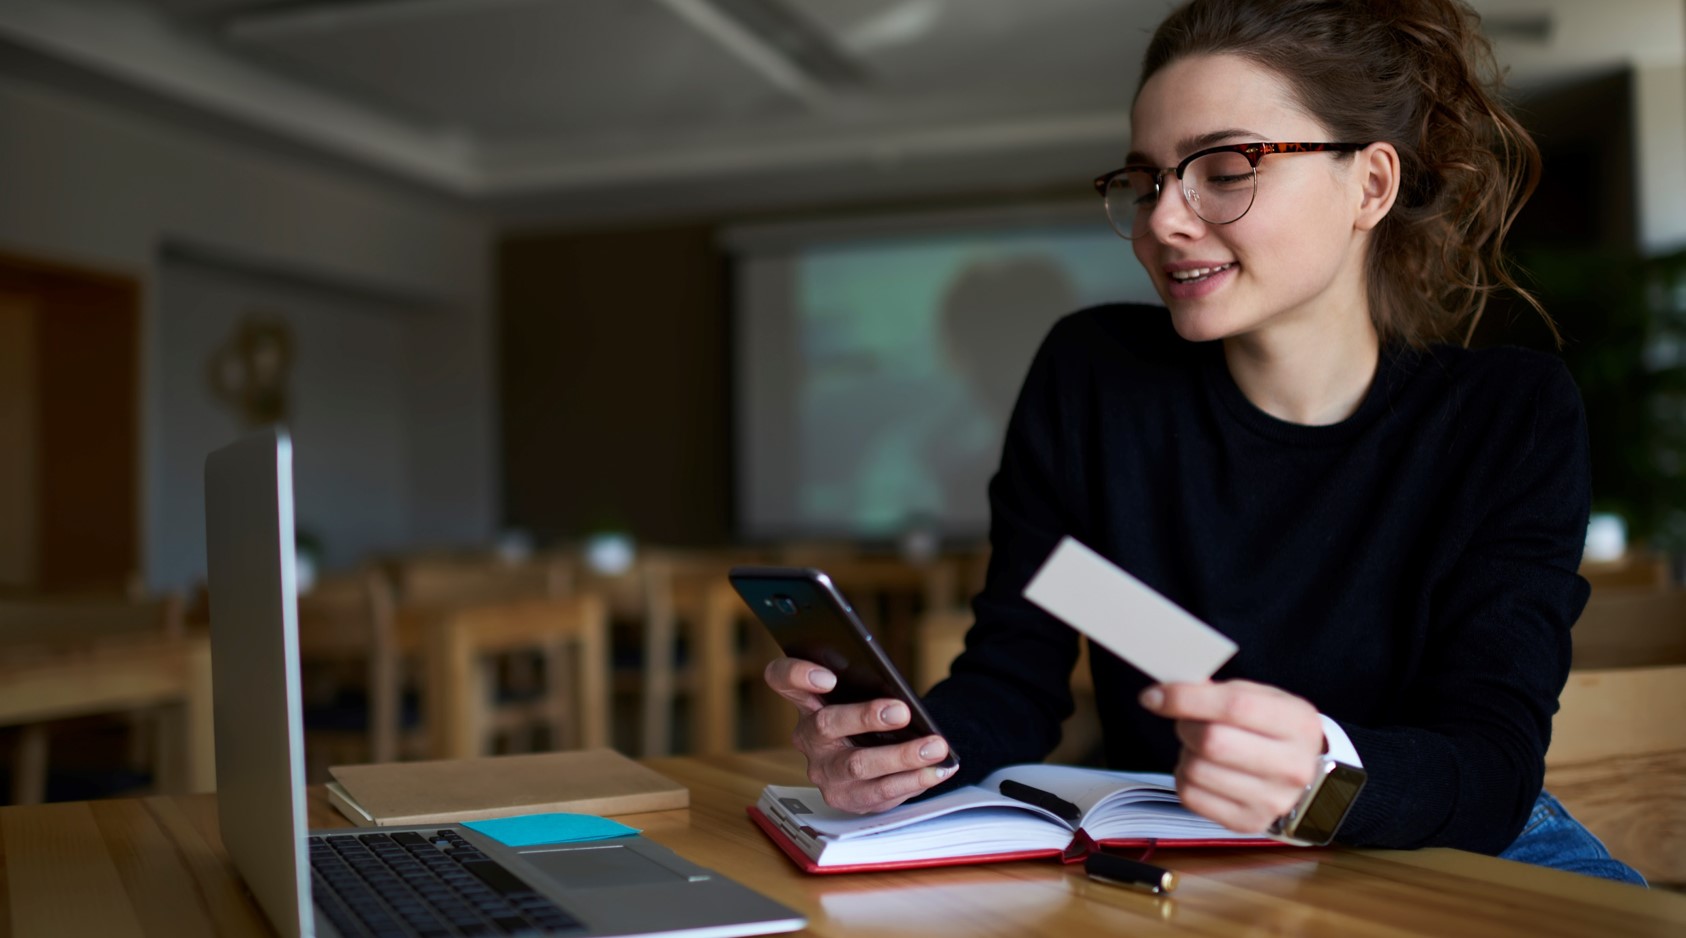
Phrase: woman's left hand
(1249, 750)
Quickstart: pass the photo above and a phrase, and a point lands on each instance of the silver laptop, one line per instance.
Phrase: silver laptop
(437, 880)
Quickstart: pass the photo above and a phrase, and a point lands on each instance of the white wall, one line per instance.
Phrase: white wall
(88, 183)
(1660, 151)
(346, 398)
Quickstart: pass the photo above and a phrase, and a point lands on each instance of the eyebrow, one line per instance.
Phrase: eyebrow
(1198, 142)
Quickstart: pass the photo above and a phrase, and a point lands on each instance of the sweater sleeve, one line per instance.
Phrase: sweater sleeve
(1010, 689)
(1467, 762)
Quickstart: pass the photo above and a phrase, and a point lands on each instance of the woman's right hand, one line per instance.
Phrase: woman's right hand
(852, 778)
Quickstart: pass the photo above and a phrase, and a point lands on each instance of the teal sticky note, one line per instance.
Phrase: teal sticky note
(559, 828)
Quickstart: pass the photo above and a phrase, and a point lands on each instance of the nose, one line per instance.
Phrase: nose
(1172, 215)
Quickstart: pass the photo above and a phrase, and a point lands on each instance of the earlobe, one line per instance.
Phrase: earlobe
(1378, 173)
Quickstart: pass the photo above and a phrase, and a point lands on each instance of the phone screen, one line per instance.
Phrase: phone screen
(810, 620)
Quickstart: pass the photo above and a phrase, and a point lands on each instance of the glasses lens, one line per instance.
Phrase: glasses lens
(1129, 201)
(1220, 186)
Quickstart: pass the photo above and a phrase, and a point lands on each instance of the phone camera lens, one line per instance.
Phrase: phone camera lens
(784, 604)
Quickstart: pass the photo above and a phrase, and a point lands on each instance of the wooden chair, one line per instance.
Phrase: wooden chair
(732, 651)
(81, 656)
(1618, 753)
(890, 594)
(1636, 570)
(971, 567)
(462, 649)
(941, 639)
(433, 580)
(658, 603)
(350, 644)
(683, 595)
(429, 588)
(669, 590)
(1624, 628)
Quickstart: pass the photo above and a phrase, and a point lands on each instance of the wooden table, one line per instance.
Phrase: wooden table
(154, 866)
(113, 675)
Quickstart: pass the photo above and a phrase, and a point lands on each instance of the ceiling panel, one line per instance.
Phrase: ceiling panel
(207, 8)
(511, 68)
(630, 70)
(1060, 53)
(674, 99)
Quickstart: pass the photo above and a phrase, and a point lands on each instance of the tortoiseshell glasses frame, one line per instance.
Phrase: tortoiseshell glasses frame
(1220, 189)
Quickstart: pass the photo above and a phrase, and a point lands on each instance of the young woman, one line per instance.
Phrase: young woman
(1387, 524)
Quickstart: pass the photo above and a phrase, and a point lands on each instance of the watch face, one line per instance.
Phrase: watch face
(1329, 806)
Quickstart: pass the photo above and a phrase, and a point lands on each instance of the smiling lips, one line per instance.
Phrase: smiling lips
(1191, 280)
(1193, 274)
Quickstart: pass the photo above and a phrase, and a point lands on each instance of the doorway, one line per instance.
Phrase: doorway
(69, 427)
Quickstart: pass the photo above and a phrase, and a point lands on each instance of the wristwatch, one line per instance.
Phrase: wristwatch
(1318, 815)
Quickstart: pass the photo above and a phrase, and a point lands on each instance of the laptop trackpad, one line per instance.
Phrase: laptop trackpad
(580, 867)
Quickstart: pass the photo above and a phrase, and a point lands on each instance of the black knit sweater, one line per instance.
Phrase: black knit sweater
(1410, 570)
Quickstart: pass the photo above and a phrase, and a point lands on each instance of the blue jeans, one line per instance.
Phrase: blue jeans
(1553, 838)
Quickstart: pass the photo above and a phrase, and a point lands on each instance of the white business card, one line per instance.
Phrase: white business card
(1126, 616)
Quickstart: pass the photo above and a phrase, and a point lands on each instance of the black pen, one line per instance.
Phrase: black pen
(1131, 874)
(1019, 791)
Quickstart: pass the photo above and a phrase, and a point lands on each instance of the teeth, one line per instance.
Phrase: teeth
(1198, 272)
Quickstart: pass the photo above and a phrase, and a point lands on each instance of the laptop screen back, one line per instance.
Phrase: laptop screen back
(254, 661)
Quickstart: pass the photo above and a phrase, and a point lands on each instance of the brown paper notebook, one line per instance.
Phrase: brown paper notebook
(591, 781)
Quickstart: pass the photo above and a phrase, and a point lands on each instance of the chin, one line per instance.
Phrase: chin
(1201, 325)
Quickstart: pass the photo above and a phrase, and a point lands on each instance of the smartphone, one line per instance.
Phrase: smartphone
(811, 620)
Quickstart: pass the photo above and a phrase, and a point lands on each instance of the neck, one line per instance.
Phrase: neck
(1314, 372)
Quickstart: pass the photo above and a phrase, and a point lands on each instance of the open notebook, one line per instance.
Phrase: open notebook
(977, 824)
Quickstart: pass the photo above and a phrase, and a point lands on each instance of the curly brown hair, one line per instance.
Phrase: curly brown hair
(1417, 74)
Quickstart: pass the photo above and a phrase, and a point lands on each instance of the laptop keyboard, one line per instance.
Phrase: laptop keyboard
(429, 885)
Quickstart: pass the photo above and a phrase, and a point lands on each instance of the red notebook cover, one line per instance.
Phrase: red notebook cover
(1081, 846)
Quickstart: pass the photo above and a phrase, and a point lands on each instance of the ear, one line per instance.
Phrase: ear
(1376, 171)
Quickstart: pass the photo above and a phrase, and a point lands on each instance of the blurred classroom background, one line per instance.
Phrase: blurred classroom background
(571, 304)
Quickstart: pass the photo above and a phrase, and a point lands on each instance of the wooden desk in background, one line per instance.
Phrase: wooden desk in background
(120, 673)
(452, 646)
(155, 867)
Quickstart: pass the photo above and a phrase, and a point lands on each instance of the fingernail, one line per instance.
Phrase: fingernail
(824, 680)
(894, 714)
(931, 750)
(1152, 698)
(943, 773)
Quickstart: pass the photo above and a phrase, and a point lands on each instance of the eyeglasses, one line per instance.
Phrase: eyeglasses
(1218, 182)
